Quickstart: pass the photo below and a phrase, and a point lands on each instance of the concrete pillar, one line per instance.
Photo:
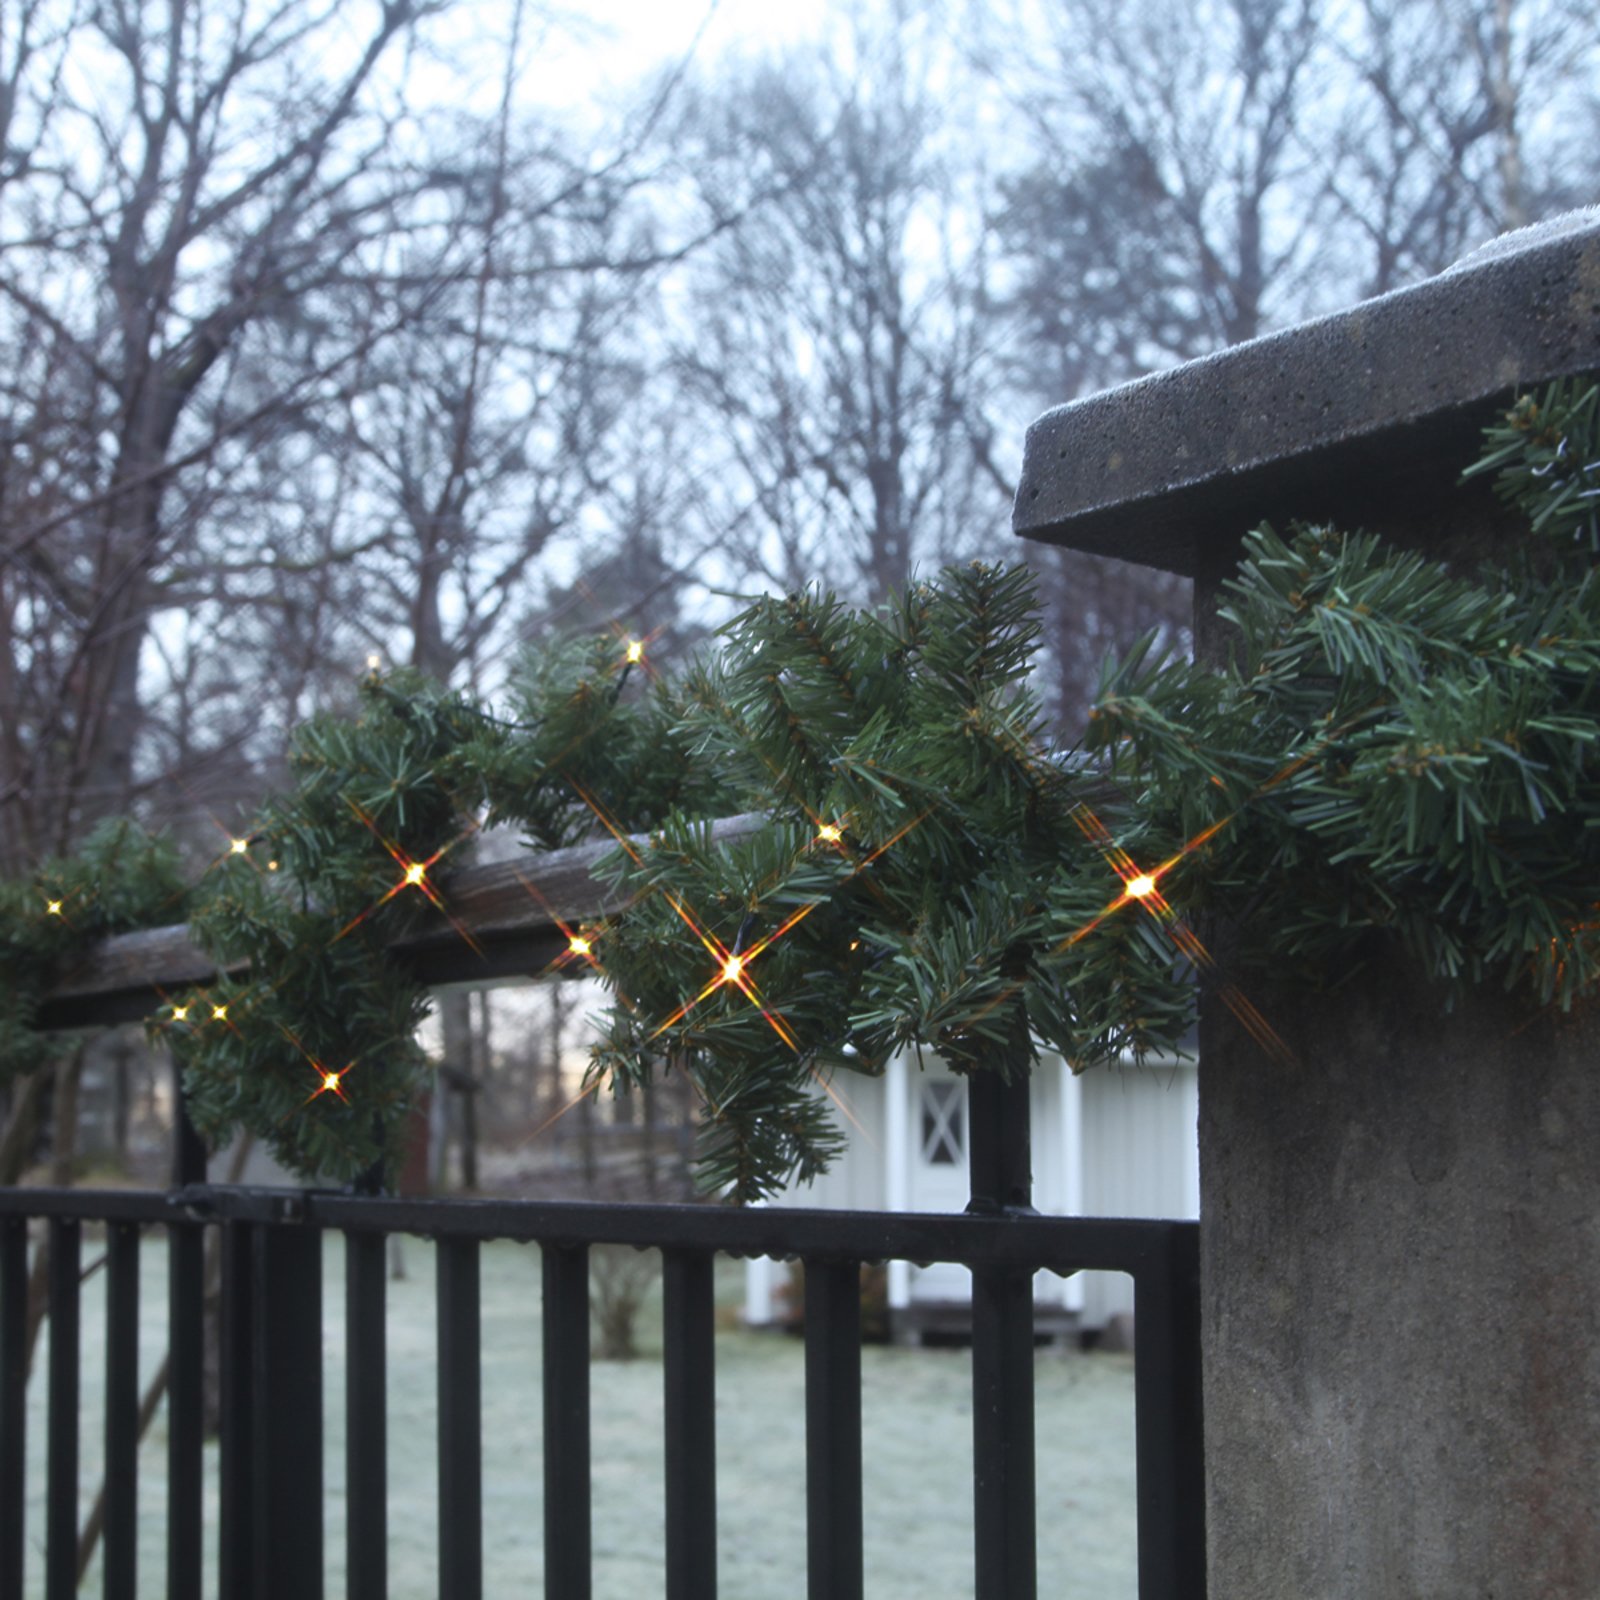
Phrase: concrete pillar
(1400, 1231)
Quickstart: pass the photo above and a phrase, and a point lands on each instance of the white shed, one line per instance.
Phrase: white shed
(1113, 1142)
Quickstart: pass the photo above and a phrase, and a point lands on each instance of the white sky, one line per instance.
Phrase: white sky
(640, 34)
(573, 54)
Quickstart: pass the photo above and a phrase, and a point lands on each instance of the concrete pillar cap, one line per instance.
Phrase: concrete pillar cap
(1322, 420)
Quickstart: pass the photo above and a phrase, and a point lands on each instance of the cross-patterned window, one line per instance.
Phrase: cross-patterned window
(941, 1123)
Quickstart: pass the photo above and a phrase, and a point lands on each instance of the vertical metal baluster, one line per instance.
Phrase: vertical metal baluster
(1002, 1430)
(1168, 1424)
(366, 1418)
(1005, 1542)
(834, 1569)
(119, 1553)
(286, 1475)
(689, 1375)
(13, 1400)
(185, 1406)
(61, 1470)
(568, 1565)
(186, 1366)
(236, 1537)
(460, 1422)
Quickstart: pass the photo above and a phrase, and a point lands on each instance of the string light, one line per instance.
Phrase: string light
(219, 1013)
(829, 833)
(578, 945)
(1138, 888)
(53, 908)
(635, 651)
(374, 661)
(238, 846)
(414, 875)
(180, 1013)
(733, 969)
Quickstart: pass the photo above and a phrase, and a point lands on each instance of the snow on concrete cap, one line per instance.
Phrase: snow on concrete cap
(1328, 420)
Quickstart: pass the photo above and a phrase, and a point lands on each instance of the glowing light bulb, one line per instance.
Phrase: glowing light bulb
(238, 846)
(415, 873)
(374, 662)
(53, 908)
(272, 866)
(330, 1081)
(829, 833)
(635, 650)
(733, 969)
(219, 1013)
(578, 945)
(180, 1013)
(1140, 887)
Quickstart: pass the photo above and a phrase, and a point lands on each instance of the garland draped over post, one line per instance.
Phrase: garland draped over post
(1393, 749)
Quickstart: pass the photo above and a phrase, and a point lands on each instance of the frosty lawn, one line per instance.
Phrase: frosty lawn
(917, 1431)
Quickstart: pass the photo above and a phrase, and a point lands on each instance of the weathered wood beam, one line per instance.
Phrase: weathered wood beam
(511, 909)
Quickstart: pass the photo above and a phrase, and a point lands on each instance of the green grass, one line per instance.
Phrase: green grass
(916, 1420)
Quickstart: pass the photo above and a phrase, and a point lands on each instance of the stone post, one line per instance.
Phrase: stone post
(1400, 1232)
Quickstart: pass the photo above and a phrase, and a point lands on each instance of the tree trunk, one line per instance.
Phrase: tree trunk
(22, 1127)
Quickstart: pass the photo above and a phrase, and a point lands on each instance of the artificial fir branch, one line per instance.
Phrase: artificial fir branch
(119, 879)
(1393, 750)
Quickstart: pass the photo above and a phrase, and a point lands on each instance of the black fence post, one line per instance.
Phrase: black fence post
(366, 1418)
(1168, 1421)
(688, 1319)
(13, 1400)
(568, 1535)
(287, 1480)
(236, 1535)
(999, 1144)
(61, 1463)
(1000, 1162)
(460, 1420)
(120, 1539)
(186, 1364)
(834, 1564)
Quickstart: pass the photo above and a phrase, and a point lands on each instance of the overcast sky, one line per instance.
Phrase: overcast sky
(608, 44)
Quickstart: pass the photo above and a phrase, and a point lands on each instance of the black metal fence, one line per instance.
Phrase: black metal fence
(270, 1542)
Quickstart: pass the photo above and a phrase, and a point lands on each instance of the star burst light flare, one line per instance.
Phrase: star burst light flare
(1141, 887)
(413, 875)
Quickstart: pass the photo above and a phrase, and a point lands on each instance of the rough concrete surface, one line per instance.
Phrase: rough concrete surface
(1401, 1288)
(1155, 470)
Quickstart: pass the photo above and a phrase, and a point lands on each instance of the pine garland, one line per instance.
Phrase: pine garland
(923, 881)
(120, 878)
(315, 1049)
(1393, 750)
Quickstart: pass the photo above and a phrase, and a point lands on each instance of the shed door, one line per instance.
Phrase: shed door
(939, 1178)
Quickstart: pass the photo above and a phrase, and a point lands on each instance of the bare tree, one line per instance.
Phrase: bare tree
(200, 169)
(1461, 121)
(834, 341)
(1169, 208)
(1204, 172)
